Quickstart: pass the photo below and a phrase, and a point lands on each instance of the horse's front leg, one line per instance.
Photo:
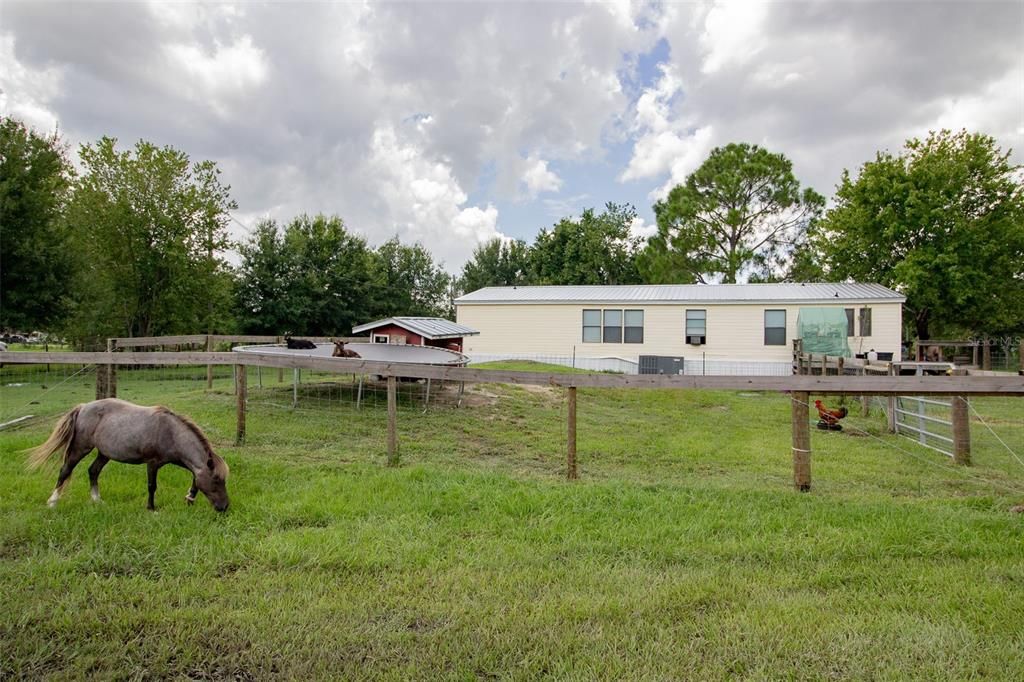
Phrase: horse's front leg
(190, 497)
(151, 469)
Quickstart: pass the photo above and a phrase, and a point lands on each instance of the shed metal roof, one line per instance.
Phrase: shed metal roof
(427, 327)
(685, 293)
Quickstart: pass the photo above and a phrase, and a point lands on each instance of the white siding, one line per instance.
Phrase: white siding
(734, 332)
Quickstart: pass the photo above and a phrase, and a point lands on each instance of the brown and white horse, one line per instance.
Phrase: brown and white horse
(132, 434)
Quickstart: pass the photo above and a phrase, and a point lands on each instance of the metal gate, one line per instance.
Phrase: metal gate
(926, 421)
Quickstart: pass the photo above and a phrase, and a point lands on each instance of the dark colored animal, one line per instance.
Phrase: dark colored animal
(303, 344)
(133, 434)
(829, 419)
(341, 352)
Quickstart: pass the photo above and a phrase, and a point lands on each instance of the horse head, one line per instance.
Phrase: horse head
(212, 481)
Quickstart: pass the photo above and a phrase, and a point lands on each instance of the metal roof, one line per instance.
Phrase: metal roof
(685, 293)
(427, 327)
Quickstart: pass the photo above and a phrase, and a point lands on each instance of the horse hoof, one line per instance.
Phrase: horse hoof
(189, 500)
(51, 504)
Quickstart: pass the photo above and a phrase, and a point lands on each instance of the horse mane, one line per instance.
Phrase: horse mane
(220, 467)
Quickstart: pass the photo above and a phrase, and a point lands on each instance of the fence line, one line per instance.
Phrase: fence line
(799, 386)
(850, 385)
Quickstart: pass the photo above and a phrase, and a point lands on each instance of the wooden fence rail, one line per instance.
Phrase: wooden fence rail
(1006, 385)
(799, 386)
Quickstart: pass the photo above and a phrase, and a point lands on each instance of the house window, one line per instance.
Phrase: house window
(775, 327)
(613, 326)
(634, 327)
(849, 321)
(380, 338)
(696, 326)
(591, 326)
(865, 321)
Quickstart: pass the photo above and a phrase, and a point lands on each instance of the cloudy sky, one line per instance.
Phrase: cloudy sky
(452, 123)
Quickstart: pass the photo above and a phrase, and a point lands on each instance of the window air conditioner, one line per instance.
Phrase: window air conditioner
(695, 340)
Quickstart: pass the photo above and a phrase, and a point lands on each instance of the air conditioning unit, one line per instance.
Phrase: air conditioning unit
(695, 340)
(660, 364)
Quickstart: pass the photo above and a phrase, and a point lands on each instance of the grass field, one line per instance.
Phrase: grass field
(682, 553)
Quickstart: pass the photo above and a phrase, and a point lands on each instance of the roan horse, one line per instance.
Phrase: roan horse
(132, 434)
(341, 352)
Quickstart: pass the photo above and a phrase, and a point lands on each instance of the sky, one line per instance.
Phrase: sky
(450, 124)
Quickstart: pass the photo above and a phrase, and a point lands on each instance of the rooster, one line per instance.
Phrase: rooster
(829, 419)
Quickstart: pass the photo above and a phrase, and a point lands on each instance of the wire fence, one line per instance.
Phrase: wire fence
(534, 414)
(699, 365)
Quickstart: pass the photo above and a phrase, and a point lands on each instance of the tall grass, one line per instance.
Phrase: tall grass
(682, 553)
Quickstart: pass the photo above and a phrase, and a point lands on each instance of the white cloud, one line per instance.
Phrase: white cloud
(642, 229)
(732, 29)
(423, 202)
(665, 141)
(997, 109)
(27, 93)
(538, 178)
(224, 73)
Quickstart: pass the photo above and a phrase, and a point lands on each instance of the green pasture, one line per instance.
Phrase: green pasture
(683, 551)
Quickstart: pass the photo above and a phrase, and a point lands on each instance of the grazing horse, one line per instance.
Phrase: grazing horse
(132, 434)
(341, 352)
(299, 344)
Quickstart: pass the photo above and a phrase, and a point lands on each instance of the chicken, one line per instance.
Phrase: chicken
(829, 419)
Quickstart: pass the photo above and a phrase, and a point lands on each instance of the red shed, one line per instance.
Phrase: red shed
(417, 331)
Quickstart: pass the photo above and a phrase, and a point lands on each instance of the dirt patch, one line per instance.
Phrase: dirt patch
(547, 391)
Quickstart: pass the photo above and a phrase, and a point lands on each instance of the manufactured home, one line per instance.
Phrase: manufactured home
(702, 328)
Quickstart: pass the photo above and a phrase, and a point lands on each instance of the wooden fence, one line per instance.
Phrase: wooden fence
(800, 387)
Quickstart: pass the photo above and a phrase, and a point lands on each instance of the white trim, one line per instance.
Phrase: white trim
(386, 337)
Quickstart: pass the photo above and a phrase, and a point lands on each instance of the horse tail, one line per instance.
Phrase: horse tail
(61, 437)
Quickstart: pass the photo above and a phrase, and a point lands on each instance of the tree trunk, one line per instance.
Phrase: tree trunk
(921, 319)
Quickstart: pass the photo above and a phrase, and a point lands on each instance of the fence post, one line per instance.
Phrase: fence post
(209, 368)
(106, 376)
(961, 431)
(570, 468)
(892, 404)
(241, 378)
(392, 421)
(280, 370)
(801, 441)
(101, 381)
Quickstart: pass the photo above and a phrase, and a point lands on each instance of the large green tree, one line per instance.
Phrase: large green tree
(597, 248)
(35, 258)
(741, 214)
(150, 227)
(407, 281)
(497, 263)
(943, 223)
(314, 277)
